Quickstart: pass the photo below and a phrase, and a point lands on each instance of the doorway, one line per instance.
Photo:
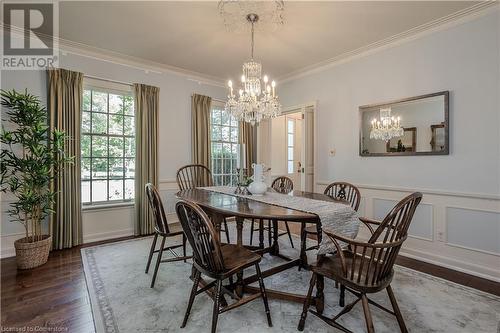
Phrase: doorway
(286, 145)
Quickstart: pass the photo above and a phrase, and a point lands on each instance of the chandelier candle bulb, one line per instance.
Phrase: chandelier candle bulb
(255, 101)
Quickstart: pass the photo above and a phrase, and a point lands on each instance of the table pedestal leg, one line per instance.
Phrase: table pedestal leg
(261, 234)
(275, 250)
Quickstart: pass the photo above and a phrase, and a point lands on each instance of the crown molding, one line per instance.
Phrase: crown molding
(84, 50)
(445, 22)
(67, 46)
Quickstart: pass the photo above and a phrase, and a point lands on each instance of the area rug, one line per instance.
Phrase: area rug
(122, 300)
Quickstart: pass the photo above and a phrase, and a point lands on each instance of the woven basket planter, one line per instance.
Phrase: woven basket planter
(32, 254)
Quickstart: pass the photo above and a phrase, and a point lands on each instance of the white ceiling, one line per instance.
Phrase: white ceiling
(191, 35)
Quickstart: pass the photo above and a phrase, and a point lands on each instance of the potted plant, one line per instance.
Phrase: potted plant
(31, 155)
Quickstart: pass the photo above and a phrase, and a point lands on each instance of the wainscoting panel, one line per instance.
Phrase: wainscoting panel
(422, 224)
(460, 231)
(473, 229)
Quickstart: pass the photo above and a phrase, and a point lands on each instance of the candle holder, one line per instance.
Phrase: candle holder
(242, 185)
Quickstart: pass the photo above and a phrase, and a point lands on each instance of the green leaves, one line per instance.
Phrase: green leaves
(30, 158)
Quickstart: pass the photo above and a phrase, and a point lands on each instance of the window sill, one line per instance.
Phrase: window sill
(108, 206)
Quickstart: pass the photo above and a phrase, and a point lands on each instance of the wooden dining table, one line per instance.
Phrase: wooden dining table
(219, 206)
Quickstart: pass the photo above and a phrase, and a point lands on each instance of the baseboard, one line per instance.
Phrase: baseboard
(451, 263)
(107, 235)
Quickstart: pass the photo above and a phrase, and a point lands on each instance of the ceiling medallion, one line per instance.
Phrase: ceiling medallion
(256, 99)
(235, 12)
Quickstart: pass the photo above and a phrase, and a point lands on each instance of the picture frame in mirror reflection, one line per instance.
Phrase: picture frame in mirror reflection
(410, 126)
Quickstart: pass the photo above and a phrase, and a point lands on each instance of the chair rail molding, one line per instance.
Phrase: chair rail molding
(473, 248)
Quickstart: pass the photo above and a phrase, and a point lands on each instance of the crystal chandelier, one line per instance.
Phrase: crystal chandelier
(256, 99)
(387, 127)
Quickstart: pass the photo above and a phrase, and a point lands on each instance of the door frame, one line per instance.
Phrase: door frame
(302, 107)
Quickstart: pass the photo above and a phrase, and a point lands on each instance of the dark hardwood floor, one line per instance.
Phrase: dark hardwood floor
(54, 296)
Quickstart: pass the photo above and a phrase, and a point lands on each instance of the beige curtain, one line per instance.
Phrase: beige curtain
(64, 102)
(200, 129)
(248, 136)
(147, 102)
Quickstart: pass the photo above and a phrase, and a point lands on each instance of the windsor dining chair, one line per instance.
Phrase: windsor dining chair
(162, 230)
(216, 262)
(197, 175)
(364, 268)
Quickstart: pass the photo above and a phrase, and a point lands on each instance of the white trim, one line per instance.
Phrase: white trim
(463, 246)
(67, 46)
(395, 201)
(471, 195)
(446, 262)
(443, 23)
(99, 207)
(168, 184)
(107, 235)
(84, 50)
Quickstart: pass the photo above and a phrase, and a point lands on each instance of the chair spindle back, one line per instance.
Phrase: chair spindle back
(194, 175)
(283, 185)
(372, 262)
(156, 205)
(345, 191)
(201, 235)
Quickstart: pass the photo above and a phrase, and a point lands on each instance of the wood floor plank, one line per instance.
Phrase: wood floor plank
(55, 294)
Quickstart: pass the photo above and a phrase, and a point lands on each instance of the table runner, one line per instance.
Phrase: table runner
(335, 217)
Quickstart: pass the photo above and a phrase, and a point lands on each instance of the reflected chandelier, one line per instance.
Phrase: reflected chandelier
(387, 127)
(256, 99)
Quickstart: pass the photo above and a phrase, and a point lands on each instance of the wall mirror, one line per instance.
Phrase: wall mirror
(412, 126)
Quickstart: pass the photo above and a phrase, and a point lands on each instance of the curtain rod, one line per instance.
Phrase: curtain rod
(108, 80)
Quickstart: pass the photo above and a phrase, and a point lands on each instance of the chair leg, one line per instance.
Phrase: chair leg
(368, 315)
(307, 302)
(342, 296)
(303, 239)
(215, 315)
(153, 246)
(264, 295)
(251, 231)
(289, 234)
(395, 306)
(227, 230)
(196, 280)
(269, 233)
(158, 260)
(184, 246)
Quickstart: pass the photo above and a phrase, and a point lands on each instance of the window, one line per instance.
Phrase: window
(224, 134)
(107, 146)
(290, 137)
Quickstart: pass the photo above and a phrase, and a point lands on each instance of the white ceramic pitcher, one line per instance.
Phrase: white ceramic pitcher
(258, 186)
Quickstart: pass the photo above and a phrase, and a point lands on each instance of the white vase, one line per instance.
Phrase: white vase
(258, 186)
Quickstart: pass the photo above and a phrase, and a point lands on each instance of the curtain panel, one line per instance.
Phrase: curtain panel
(64, 103)
(248, 137)
(200, 130)
(147, 100)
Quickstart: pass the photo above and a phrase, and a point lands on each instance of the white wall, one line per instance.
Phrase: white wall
(463, 59)
(174, 137)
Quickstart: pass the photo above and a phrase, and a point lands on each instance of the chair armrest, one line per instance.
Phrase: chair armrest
(367, 222)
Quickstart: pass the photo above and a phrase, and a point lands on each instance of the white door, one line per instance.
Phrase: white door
(307, 171)
(294, 148)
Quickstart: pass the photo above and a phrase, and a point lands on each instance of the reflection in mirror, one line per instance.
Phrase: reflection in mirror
(413, 126)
